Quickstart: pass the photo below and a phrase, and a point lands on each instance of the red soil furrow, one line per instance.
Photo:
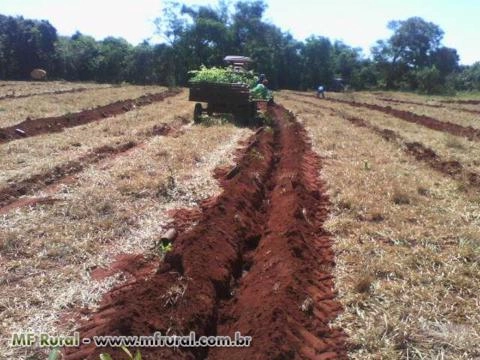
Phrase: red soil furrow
(11, 193)
(422, 153)
(49, 181)
(35, 127)
(290, 268)
(56, 92)
(395, 101)
(258, 261)
(429, 122)
(467, 102)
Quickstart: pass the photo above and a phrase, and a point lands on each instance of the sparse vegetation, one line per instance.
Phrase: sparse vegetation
(409, 282)
(369, 247)
(119, 205)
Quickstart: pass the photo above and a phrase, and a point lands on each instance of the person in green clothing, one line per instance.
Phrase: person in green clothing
(260, 91)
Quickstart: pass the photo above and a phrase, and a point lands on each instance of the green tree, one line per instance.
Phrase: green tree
(408, 56)
(25, 45)
(289, 66)
(141, 65)
(429, 80)
(77, 57)
(346, 60)
(468, 77)
(414, 41)
(365, 76)
(113, 60)
(318, 67)
(446, 60)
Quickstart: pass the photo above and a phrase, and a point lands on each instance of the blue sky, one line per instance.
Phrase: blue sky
(357, 22)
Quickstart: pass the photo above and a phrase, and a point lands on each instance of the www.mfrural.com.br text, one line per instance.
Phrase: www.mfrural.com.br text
(155, 340)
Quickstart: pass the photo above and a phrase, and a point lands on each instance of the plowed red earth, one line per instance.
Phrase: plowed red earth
(468, 102)
(422, 153)
(429, 122)
(39, 181)
(395, 101)
(49, 180)
(258, 261)
(35, 127)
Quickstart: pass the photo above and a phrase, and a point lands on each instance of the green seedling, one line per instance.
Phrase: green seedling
(54, 354)
(162, 247)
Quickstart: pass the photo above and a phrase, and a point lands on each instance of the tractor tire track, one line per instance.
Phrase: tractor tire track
(429, 122)
(34, 127)
(11, 197)
(258, 261)
(451, 168)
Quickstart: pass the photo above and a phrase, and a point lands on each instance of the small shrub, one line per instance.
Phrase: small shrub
(364, 284)
(422, 191)
(401, 198)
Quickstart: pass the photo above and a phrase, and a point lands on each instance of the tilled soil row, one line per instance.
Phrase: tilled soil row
(429, 122)
(33, 127)
(422, 153)
(55, 92)
(468, 102)
(437, 106)
(9, 196)
(38, 181)
(258, 262)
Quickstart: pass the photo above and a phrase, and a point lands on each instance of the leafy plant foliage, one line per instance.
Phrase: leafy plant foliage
(413, 58)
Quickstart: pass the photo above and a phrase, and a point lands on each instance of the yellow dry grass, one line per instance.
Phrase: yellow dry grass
(19, 88)
(13, 111)
(407, 245)
(447, 114)
(428, 99)
(117, 206)
(22, 158)
(447, 146)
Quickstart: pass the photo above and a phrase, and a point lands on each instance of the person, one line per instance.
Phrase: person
(260, 91)
(321, 91)
(261, 78)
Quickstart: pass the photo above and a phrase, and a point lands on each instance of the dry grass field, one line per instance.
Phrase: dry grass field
(406, 237)
(28, 88)
(115, 206)
(405, 233)
(13, 111)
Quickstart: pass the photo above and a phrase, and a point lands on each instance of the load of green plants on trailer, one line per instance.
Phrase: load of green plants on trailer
(223, 76)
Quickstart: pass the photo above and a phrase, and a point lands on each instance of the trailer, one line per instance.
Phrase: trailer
(224, 98)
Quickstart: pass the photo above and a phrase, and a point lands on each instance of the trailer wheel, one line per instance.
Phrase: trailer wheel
(253, 110)
(197, 113)
(210, 108)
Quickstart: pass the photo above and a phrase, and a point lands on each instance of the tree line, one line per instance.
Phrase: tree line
(413, 58)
